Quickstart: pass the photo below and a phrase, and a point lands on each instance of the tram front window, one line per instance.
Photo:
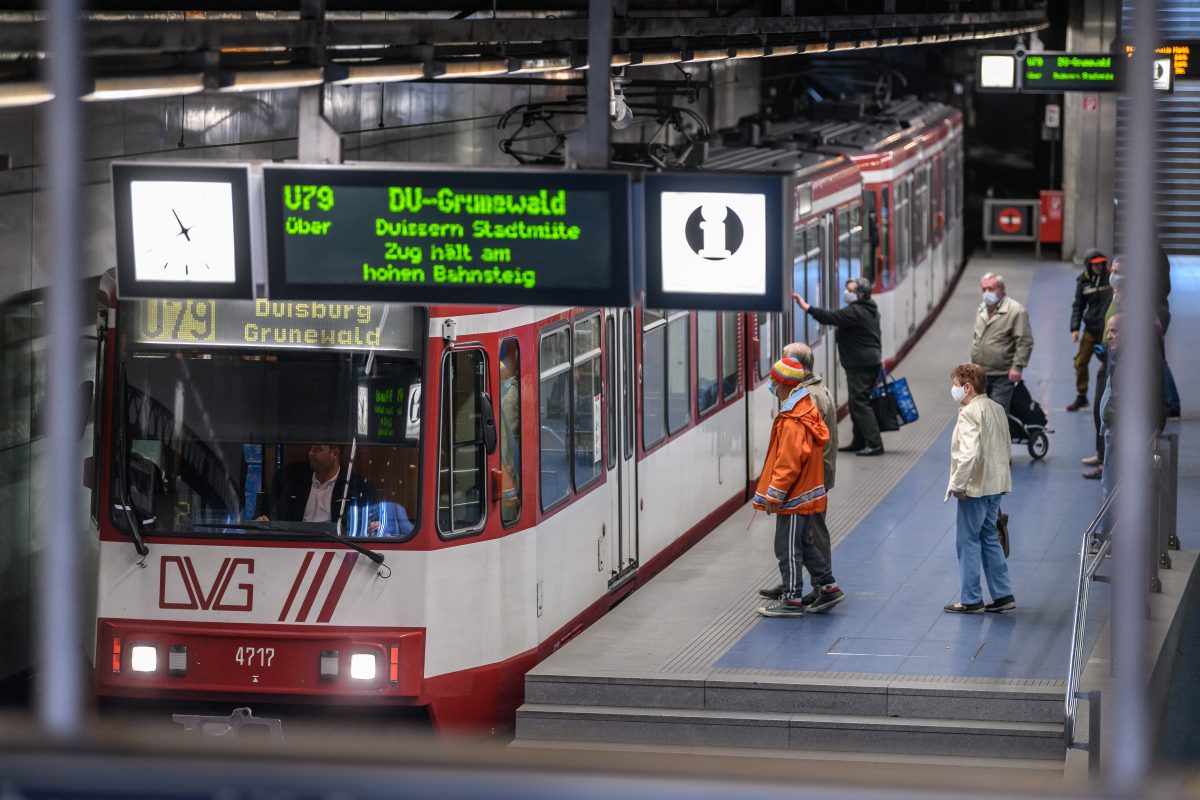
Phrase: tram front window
(213, 438)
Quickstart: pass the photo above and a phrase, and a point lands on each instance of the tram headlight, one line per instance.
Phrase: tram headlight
(363, 666)
(143, 658)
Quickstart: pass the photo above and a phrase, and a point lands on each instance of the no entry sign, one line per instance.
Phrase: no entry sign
(1011, 220)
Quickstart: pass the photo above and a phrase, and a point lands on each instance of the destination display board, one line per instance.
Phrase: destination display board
(310, 325)
(716, 240)
(417, 235)
(1070, 72)
(182, 230)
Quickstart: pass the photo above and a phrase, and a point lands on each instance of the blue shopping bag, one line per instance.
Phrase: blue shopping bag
(905, 403)
(892, 392)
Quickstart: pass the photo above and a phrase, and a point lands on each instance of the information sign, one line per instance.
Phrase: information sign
(182, 230)
(1069, 72)
(417, 235)
(716, 241)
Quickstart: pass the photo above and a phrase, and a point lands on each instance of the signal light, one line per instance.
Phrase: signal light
(116, 654)
(177, 660)
(394, 664)
(329, 665)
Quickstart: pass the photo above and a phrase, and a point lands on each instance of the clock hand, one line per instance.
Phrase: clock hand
(183, 231)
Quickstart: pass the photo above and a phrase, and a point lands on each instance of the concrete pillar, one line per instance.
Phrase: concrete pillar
(1090, 137)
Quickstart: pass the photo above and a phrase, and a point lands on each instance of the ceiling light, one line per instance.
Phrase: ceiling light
(261, 80)
(890, 41)
(749, 52)
(473, 68)
(133, 87)
(816, 47)
(381, 72)
(656, 58)
(782, 50)
(24, 93)
(844, 46)
(619, 60)
(541, 64)
(707, 54)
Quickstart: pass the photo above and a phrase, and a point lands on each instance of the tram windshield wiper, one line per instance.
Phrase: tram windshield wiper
(125, 504)
(325, 530)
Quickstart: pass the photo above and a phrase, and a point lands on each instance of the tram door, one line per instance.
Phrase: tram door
(621, 461)
(832, 284)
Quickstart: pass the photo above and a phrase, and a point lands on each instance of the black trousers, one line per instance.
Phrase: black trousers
(1000, 389)
(820, 535)
(859, 381)
(796, 549)
(1101, 382)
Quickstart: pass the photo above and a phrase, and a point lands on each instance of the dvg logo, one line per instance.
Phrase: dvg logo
(179, 573)
(714, 231)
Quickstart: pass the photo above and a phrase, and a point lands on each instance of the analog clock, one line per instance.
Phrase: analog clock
(183, 231)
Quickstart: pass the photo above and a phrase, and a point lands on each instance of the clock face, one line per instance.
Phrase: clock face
(183, 231)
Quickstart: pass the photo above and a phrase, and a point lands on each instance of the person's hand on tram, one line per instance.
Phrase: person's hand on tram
(800, 301)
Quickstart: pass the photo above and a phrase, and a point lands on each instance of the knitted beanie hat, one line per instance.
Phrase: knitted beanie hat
(788, 372)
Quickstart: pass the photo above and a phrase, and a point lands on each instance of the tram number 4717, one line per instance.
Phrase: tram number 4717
(254, 656)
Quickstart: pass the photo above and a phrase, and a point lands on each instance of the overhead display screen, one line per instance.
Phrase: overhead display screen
(1069, 72)
(182, 230)
(716, 241)
(997, 72)
(448, 236)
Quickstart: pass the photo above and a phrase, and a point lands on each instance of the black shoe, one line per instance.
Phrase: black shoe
(827, 598)
(1173, 412)
(959, 608)
(850, 448)
(1080, 402)
(1006, 603)
(870, 451)
(781, 608)
(774, 593)
(808, 599)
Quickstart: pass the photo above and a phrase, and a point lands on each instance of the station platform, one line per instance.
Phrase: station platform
(687, 662)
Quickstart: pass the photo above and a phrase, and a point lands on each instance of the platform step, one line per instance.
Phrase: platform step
(789, 695)
(790, 731)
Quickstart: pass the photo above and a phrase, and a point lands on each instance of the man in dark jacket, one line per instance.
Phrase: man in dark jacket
(1092, 298)
(314, 492)
(860, 350)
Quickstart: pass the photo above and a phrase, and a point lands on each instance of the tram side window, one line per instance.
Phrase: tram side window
(843, 252)
(938, 207)
(921, 214)
(554, 390)
(730, 353)
(611, 386)
(587, 445)
(654, 377)
(510, 431)
(627, 385)
(885, 223)
(766, 344)
(903, 217)
(806, 281)
(706, 361)
(463, 456)
(870, 236)
(679, 396)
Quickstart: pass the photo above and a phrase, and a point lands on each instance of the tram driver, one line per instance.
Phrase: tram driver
(316, 491)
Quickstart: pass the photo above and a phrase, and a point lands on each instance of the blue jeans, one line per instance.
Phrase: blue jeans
(979, 541)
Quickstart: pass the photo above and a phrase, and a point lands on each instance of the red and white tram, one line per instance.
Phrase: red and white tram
(523, 463)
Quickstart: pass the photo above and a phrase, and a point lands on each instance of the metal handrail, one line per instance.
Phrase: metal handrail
(1088, 564)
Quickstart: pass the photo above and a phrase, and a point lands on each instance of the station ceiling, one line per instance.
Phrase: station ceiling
(155, 47)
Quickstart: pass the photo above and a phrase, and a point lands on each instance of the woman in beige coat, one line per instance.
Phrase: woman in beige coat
(980, 450)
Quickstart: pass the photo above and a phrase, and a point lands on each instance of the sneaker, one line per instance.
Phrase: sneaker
(827, 598)
(1080, 402)
(808, 599)
(959, 608)
(1001, 604)
(1091, 461)
(774, 593)
(781, 608)
(1094, 474)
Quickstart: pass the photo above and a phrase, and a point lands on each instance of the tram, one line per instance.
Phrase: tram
(505, 475)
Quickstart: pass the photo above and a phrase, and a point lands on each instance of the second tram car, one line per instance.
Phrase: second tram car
(515, 469)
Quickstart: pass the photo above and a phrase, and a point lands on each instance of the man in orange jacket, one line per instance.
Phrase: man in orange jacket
(792, 486)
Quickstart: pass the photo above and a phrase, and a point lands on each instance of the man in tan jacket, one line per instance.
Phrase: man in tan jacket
(1003, 340)
(980, 450)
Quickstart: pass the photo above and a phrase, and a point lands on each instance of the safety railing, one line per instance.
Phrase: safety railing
(1097, 542)
(1096, 546)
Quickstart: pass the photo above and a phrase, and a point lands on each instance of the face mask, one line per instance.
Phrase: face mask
(509, 383)
(958, 393)
(990, 298)
(773, 389)
(1115, 280)
(849, 296)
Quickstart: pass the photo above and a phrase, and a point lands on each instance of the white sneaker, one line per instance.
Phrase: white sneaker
(1091, 461)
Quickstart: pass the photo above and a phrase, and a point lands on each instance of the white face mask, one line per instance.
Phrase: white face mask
(773, 389)
(849, 296)
(991, 298)
(958, 393)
